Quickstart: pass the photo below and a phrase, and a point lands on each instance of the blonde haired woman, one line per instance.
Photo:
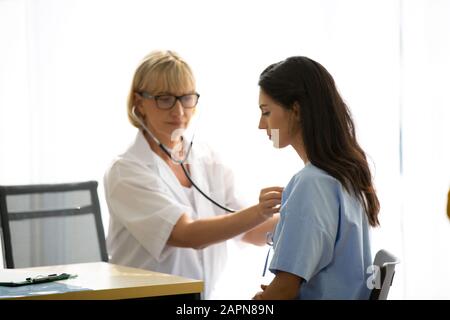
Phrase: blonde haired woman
(159, 221)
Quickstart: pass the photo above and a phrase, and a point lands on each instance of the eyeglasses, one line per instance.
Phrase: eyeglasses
(166, 102)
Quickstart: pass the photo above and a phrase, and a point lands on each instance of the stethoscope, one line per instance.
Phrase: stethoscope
(180, 162)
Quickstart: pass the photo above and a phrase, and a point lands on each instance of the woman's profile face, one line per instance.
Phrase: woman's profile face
(165, 122)
(276, 120)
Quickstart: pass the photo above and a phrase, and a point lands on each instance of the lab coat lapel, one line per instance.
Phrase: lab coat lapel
(142, 150)
(198, 170)
(172, 182)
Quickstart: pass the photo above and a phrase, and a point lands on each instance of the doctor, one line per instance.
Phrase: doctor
(159, 221)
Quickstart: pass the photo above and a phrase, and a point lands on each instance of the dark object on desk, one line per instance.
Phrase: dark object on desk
(51, 224)
(38, 279)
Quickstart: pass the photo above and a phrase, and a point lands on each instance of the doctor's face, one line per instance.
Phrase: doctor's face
(167, 114)
(276, 120)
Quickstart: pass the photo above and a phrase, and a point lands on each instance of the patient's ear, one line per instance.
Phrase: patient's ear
(296, 110)
(294, 119)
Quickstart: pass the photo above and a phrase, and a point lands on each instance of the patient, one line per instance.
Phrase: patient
(321, 243)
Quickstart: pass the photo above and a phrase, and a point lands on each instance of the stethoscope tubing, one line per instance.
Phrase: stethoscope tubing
(180, 162)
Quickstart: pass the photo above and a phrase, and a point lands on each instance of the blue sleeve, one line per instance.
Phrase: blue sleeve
(305, 236)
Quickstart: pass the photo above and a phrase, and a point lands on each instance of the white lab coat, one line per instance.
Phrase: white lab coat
(145, 201)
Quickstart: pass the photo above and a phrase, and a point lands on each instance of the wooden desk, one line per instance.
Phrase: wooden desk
(109, 281)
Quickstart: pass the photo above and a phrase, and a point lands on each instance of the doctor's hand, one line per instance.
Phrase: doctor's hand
(269, 201)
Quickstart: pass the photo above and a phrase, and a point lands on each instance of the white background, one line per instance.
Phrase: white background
(66, 68)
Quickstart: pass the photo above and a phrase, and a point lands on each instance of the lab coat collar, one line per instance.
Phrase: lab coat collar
(141, 151)
(197, 161)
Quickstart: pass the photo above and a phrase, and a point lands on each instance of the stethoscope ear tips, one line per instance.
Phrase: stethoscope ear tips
(138, 118)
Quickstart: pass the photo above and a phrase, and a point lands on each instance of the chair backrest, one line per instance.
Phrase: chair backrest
(50, 224)
(384, 263)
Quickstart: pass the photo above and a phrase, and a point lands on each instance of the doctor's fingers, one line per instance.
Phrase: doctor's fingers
(269, 202)
(272, 195)
(276, 189)
(268, 211)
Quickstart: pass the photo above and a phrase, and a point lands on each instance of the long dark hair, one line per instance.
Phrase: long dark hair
(326, 125)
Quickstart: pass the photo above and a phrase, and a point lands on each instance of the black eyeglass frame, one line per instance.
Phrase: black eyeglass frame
(146, 95)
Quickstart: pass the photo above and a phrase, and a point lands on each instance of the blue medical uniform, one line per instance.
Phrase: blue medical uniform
(322, 237)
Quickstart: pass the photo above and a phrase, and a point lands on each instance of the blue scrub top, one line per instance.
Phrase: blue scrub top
(322, 237)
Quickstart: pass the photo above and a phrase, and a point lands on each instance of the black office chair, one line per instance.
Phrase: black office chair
(51, 224)
(384, 274)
